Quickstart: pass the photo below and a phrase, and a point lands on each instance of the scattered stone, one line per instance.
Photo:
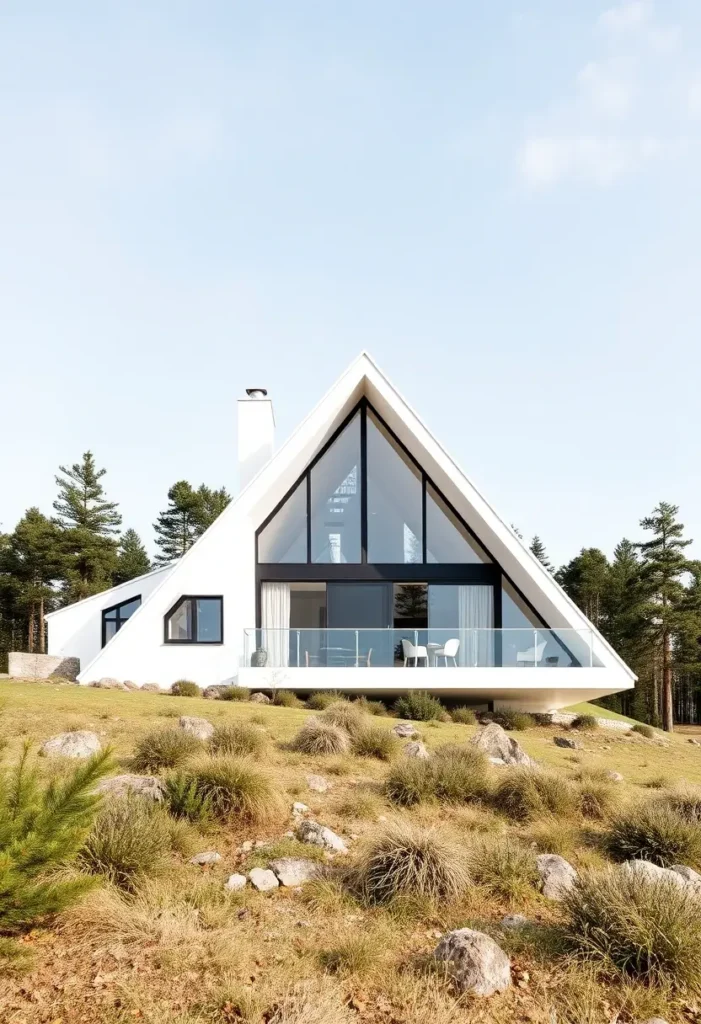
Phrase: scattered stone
(71, 744)
(129, 685)
(318, 784)
(151, 688)
(235, 883)
(405, 729)
(198, 727)
(259, 698)
(688, 874)
(293, 871)
(320, 835)
(498, 761)
(133, 785)
(514, 922)
(208, 857)
(495, 742)
(557, 875)
(648, 872)
(107, 683)
(299, 808)
(214, 692)
(693, 742)
(476, 963)
(417, 749)
(246, 846)
(263, 879)
(565, 741)
(614, 776)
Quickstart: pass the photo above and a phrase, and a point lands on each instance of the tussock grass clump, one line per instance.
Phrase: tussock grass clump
(409, 782)
(526, 793)
(234, 787)
(553, 835)
(463, 716)
(409, 861)
(310, 1003)
(358, 803)
(505, 868)
(376, 742)
(128, 840)
(185, 688)
(347, 716)
(648, 930)
(419, 706)
(643, 730)
(687, 804)
(324, 699)
(169, 747)
(585, 723)
(287, 699)
(237, 693)
(458, 774)
(239, 738)
(654, 832)
(511, 719)
(317, 737)
(371, 707)
(598, 795)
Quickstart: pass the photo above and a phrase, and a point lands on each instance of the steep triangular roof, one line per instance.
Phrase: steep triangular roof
(364, 378)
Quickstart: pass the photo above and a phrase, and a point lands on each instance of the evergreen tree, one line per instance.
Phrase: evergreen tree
(89, 523)
(190, 512)
(132, 558)
(517, 531)
(538, 549)
(585, 579)
(213, 504)
(663, 567)
(33, 559)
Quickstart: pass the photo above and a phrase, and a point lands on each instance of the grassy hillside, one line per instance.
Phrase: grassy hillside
(170, 943)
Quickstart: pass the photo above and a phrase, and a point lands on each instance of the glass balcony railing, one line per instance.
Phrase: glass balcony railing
(420, 648)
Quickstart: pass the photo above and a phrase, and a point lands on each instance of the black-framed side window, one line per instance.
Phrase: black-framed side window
(114, 618)
(195, 619)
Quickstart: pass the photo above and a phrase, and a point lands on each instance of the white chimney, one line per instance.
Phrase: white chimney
(256, 433)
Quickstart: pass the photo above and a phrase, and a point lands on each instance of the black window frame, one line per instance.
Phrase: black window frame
(118, 619)
(195, 642)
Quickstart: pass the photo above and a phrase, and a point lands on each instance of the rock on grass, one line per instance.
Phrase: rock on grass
(475, 962)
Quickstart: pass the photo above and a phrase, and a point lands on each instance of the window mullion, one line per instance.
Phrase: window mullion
(364, 483)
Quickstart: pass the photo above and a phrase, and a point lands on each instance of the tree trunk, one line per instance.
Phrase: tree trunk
(667, 694)
(42, 628)
(30, 629)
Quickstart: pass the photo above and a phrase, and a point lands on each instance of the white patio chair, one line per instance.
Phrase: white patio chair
(448, 650)
(415, 652)
(532, 656)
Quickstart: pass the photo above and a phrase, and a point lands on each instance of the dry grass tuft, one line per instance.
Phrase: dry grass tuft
(505, 868)
(239, 738)
(374, 741)
(311, 1003)
(129, 839)
(526, 793)
(164, 748)
(349, 717)
(319, 737)
(654, 832)
(234, 787)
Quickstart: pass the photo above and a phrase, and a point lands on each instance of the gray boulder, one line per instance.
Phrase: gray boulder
(151, 688)
(235, 883)
(263, 879)
(198, 727)
(614, 776)
(417, 749)
(71, 744)
(107, 683)
(648, 872)
(318, 784)
(566, 742)
(293, 871)
(514, 922)
(320, 835)
(557, 875)
(405, 730)
(688, 874)
(214, 692)
(147, 786)
(299, 808)
(208, 857)
(260, 698)
(495, 742)
(475, 962)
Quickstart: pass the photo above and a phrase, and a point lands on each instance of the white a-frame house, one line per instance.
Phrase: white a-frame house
(360, 558)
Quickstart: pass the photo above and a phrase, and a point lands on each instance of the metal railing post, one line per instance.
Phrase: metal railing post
(297, 648)
(357, 650)
(535, 648)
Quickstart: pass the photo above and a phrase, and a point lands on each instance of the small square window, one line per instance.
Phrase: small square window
(195, 620)
(114, 618)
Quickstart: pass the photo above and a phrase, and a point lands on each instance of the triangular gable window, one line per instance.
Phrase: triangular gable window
(284, 539)
(394, 499)
(336, 500)
(447, 539)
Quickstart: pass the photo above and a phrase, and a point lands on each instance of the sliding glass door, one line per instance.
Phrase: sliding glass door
(357, 615)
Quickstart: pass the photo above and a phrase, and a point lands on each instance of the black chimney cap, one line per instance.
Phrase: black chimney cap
(256, 391)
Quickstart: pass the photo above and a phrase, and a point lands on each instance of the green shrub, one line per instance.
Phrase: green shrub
(463, 716)
(185, 688)
(505, 868)
(654, 832)
(458, 774)
(234, 787)
(649, 930)
(376, 742)
(407, 860)
(287, 699)
(418, 706)
(511, 719)
(169, 747)
(643, 730)
(237, 738)
(317, 737)
(525, 793)
(42, 827)
(129, 839)
(346, 716)
(371, 707)
(322, 700)
(235, 693)
(585, 723)
(409, 782)
(184, 799)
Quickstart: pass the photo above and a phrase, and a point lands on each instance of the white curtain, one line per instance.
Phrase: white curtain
(275, 619)
(476, 612)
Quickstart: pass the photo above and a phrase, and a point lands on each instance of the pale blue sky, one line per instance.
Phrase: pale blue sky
(500, 201)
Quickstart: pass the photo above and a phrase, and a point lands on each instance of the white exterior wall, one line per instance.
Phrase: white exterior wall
(76, 631)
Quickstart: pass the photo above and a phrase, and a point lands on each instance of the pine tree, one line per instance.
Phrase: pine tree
(132, 558)
(89, 523)
(585, 578)
(34, 561)
(663, 566)
(190, 512)
(213, 504)
(538, 549)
